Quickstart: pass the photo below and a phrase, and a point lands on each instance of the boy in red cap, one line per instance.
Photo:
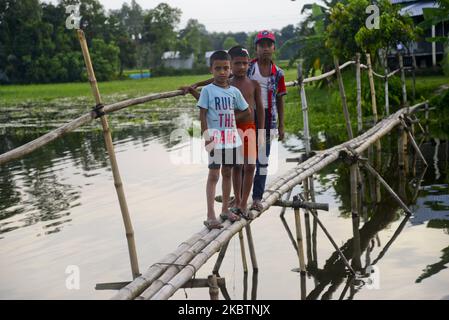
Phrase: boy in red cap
(272, 83)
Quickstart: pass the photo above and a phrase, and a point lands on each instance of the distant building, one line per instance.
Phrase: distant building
(426, 53)
(207, 57)
(173, 59)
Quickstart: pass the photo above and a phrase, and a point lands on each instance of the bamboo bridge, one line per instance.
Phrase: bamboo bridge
(162, 279)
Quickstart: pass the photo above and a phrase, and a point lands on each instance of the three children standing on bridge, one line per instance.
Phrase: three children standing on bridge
(244, 112)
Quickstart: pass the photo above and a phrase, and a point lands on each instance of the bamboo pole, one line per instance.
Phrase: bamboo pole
(303, 287)
(379, 168)
(243, 252)
(385, 184)
(220, 258)
(359, 94)
(387, 98)
(404, 90)
(115, 170)
(289, 232)
(414, 67)
(321, 76)
(414, 144)
(355, 216)
(343, 98)
(252, 251)
(372, 87)
(284, 208)
(305, 113)
(213, 287)
(299, 240)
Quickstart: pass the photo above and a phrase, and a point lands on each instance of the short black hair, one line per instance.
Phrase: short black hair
(238, 51)
(219, 55)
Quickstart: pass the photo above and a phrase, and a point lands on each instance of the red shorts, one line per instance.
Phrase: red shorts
(247, 132)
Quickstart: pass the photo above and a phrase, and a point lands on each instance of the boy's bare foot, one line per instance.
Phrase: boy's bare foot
(212, 224)
(257, 205)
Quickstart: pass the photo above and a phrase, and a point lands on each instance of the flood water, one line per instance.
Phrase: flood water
(59, 210)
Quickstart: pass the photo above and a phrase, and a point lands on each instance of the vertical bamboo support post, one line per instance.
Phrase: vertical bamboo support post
(213, 287)
(343, 97)
(359, 94)
(220, 258)
(303, 287)
(372, 87)
(299, 239)
(387, 98)
(414, 67)
(378, 167)
(115, 170)
(404, 89)
(252, 251)
(305, 109)
(242, 250)
(355, 216)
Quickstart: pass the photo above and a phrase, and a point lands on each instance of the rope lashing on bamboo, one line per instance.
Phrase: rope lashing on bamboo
(98, 111)
(382, 76)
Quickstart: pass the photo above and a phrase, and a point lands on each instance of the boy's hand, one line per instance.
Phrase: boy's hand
(281, 133)
(185, 89)
(209, 144)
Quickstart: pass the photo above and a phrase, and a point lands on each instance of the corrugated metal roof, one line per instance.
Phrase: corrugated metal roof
(416, 9)
(401, 1)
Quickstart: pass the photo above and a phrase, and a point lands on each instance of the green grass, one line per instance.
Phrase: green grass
(325, 111)
(132, 88)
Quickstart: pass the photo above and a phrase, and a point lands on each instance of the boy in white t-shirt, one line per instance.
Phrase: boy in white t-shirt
(217, 103)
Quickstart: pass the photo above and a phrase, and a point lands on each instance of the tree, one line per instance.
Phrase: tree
(229, 42)
(159, 30)
(432, 17)
(393, 29)
(193, 39)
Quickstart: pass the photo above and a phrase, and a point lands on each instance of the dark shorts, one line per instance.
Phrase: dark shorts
(225, 157)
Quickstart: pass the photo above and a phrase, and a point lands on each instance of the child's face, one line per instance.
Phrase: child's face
(221, 69)
(265, 49)
(240, 66)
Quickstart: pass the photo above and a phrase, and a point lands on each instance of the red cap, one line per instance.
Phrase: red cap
(265, 34)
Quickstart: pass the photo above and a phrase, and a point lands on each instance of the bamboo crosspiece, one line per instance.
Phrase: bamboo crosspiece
(299, 239)
(110, 148)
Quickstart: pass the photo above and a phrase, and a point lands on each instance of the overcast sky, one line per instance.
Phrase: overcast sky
(230, 15)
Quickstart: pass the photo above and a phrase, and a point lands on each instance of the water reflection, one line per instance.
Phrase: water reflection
(37, 189)
(33, 189)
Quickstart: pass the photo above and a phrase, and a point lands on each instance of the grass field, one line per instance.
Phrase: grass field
(324, 103)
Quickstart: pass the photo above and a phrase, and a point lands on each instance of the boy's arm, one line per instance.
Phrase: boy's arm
(204, 132)
(241, 114)
(194, 93)
(280, 109)
(260, 111)
(241, 109)
(281, 92)
(186, 89)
